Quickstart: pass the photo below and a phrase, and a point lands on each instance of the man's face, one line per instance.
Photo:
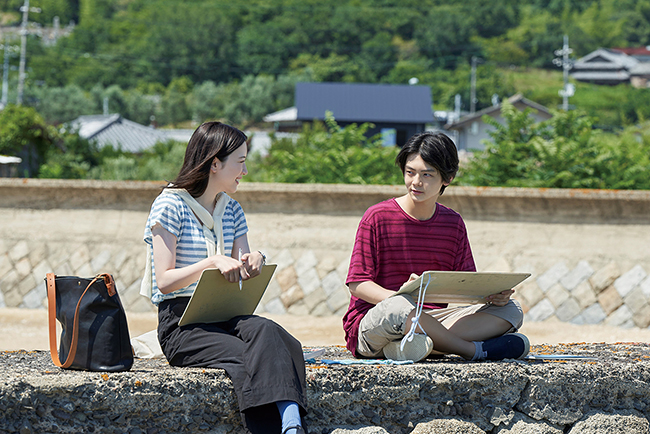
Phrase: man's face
(423, 181)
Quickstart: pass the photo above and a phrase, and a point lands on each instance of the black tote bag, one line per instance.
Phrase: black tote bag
(95, 334)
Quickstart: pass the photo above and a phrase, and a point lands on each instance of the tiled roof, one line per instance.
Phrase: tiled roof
(119, 132)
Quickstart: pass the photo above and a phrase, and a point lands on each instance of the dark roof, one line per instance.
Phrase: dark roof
(356, 102)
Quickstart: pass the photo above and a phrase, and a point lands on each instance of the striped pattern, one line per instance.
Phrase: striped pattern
(390, 245)
(175, 216)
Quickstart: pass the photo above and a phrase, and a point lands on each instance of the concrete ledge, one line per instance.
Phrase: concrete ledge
(474, 203)
(449, 395)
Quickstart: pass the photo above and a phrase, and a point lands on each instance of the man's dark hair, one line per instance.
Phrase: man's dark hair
(436, 149)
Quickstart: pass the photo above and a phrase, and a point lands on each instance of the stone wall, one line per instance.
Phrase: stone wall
(607, 393)
(82, 228)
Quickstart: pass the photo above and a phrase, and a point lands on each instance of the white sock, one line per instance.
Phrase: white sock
(479, 354)
(290, 414)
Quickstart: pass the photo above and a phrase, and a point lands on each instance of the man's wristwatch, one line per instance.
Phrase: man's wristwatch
(263, 257)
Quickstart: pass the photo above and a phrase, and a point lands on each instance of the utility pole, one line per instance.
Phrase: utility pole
(5, 77)
(565, 63)
(23, 49)
(472, 98)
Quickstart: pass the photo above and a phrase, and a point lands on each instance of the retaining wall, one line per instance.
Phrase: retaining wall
(85, 227)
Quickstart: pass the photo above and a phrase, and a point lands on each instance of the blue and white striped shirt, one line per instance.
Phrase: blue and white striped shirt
(175, 216)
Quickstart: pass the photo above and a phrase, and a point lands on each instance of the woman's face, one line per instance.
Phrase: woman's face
(228, 173)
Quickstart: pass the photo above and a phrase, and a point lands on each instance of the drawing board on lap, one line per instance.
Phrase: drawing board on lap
(461, 286)
(216, 300)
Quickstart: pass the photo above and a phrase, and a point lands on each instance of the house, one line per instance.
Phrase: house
(604, 66)
(469, 131)
(124, 134)
(397, 111)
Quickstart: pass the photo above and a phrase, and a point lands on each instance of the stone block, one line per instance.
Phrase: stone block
(531, 293)
(3, 247)
(628, 281)
(557, 295)
(332, 282)
(339, 299)
(642, 316)
(19, 251)
(321, 309)
(275, 306)
(63, 269)
(341, 311)
(645, 286)
(552, 276)
(34, 298)
(26, 285)
(568, 310)
(584, 294)
(292, 296)
(610, 300)
(10, 282)
(5, 264)
(635, 300)
(37, 252)
(619, 317)
(283, 259)
(541, 311)
(621, 421)
(342, 269)
(298, 309)
(604, 277)
(594, 314)
(286, 278)
(522, 424)
(57, 253)
(100, 261)
(440, 426)
(314, 298)
(122, 254)
(40, 270)
(272, 291)
(306, 262)
(325, 265)
(309, 280)
(578, 275)
(13, 298)
(2, 299)
(23, 267)
(79, 258)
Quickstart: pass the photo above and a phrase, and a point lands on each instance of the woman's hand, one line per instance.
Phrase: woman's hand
(253, 262)
(231, 268)
(501, 298)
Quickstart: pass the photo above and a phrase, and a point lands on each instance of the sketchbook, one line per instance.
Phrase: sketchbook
(216, 300)
(461, 286)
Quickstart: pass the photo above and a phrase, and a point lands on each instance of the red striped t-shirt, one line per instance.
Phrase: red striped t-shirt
(390, 245)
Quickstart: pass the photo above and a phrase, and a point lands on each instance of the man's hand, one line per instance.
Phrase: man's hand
(501, 298)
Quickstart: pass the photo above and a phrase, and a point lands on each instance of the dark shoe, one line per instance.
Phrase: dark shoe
(508, 346)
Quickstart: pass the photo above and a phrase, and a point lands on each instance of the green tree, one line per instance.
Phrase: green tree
(24, 133)
(563, 152)
(328, 154)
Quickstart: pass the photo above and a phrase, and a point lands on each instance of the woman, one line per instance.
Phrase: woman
(193, 225)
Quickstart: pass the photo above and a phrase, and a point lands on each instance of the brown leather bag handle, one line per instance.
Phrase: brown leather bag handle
(51, 313)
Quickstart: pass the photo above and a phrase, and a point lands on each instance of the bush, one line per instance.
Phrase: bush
(328, 154)
(563, 152)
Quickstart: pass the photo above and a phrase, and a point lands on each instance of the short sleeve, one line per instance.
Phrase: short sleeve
(167, 210)
(239, 220)
(363, 265)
